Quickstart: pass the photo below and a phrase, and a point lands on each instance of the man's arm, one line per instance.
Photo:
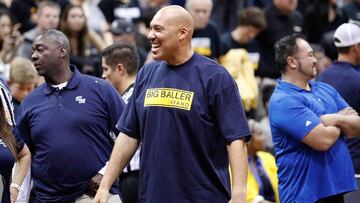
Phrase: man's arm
(322, 137)
(125, 147)
(239, 166)
(347, 120)
(96, 180)
(350, 125)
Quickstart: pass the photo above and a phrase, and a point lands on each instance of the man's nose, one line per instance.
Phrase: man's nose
(34, 56)
(151, 35)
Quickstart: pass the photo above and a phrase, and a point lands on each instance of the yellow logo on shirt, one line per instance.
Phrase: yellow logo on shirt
(169, 97)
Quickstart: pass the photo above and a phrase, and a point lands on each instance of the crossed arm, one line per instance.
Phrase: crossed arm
(324, 135)
(347, 120)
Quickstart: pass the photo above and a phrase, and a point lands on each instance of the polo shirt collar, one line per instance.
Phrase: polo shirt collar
(289, 86)
(72, 83)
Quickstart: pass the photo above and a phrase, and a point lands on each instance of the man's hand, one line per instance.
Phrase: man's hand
(330, 119)
(102, 196)
(348, 111)
(94, 184)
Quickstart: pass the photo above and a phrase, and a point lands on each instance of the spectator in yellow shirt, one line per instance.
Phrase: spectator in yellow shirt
(262, 183)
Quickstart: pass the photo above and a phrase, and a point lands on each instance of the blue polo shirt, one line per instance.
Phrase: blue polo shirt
(345, 78)
(185, 116)
(68, 132)
(306, 175)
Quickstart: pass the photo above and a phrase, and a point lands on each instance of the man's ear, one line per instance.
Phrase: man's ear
(356, 49)
(184, 33)
(120, 68)
(291, 61)
(63, 52)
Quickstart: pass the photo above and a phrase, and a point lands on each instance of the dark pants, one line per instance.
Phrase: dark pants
(332, 199)
(129, 187)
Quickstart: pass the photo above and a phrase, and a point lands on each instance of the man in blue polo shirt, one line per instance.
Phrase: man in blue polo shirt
(67, 122)
(309, 121)
(344, 77)
(187, 112)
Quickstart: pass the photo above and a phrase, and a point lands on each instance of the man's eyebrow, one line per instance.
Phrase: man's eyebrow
(157, 26)
(39, 45)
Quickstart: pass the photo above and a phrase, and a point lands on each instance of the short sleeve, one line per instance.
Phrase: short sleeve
(229, 111)
(22, 129)
(293, 117)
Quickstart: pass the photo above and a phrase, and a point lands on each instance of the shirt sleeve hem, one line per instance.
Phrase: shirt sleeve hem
(128, 132)
(234, 138)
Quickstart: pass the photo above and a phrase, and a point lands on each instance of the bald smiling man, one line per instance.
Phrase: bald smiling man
(187, 113)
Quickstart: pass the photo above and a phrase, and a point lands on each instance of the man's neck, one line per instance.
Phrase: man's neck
(300, 82)
(181, 56)
(60, 77)
(125, 84)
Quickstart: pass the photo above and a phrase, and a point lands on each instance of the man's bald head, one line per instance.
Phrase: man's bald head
(50, 55)
(206, 3)
(56, 36)
(178, 16)
(170, 35)
(200, 10)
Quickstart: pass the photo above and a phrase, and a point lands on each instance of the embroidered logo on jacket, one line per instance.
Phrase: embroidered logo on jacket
(80, 99)
(169, 97)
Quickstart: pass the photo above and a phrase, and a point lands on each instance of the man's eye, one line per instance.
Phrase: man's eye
(40, 50)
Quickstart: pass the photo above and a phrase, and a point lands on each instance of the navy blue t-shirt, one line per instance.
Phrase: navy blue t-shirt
(68, 132)
(345, 78)
(306, 175)
(185, 116)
